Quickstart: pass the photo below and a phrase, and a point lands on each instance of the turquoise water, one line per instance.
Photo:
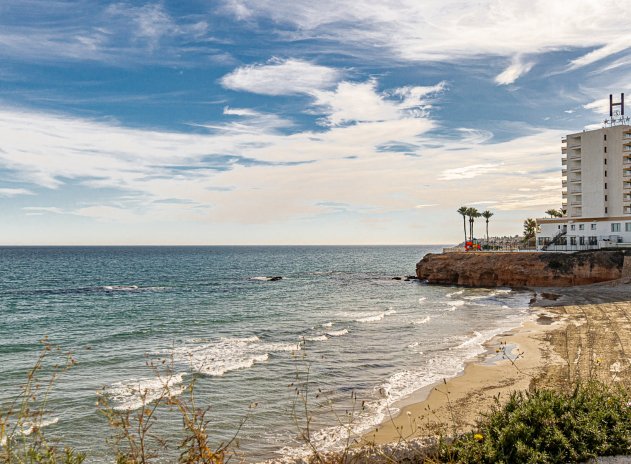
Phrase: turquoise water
(211, 310)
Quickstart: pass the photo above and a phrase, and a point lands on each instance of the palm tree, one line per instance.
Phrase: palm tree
(530, 229)
(472, 213)
(463, 212)
(487, 215)
(554, 213)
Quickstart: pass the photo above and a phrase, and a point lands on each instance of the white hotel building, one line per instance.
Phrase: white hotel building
(596, 194)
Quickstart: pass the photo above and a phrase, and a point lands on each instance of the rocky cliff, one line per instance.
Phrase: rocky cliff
(521, 269)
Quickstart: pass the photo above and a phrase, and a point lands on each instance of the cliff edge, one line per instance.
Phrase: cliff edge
(523, 269)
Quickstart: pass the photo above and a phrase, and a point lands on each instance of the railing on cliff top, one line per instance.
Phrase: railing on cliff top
(496, 245)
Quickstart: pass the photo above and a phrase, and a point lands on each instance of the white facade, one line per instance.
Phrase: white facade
(596, 196)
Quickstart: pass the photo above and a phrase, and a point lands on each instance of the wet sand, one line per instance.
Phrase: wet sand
(578, 333)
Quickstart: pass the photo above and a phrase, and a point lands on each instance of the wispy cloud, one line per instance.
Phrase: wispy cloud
(116, 33)
(281, 77)
(410, 31)
(514, 71)
(12, 192)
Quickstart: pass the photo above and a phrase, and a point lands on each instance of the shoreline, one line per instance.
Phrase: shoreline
(547, 351)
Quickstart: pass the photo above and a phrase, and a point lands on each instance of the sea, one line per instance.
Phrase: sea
(340, 338)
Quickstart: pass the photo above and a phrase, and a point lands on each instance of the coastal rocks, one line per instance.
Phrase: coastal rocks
(523, 269)
(406, 278)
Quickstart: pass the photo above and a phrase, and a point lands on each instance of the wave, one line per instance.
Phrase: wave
(327, 324)
(421, 299)
(337, 333)
(425, 320)
(376, 317)
(317, 338)
(266, 278)
(229, 354)
(456, 303)
(459, 292)
(135, 393)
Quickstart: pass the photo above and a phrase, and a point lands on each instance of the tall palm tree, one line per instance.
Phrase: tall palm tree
(472, 213)
(530, 229)
(487, 215)
(554, 213)
(463, 212)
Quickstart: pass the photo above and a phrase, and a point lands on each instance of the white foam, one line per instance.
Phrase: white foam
(421, 299)
(135, 393)
(260, 278)
(373, 318)
(327, 324)
(425, 320)
(317, 338)
(119, 288)
(337, 333)
(459, 292)
(229, 354)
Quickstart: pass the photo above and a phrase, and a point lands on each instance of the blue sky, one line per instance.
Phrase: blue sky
(300, 122)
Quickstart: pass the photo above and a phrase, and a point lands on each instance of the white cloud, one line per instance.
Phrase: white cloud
(514, 71)
(361, 102)
(43, 209)
(607, 50)
(449, 30)
(228, 178)
(117, 33)
(12, 192)
(468, 172)
(281, 77)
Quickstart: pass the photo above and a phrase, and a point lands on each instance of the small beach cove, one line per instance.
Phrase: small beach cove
(576, 334)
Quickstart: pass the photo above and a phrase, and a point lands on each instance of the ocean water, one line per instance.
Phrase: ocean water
(336, 317)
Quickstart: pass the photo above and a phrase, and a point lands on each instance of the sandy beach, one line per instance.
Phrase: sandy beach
(576, 333)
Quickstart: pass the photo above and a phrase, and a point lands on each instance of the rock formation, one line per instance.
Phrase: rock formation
(522, 269)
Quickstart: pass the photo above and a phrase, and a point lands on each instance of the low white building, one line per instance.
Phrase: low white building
(596, 195)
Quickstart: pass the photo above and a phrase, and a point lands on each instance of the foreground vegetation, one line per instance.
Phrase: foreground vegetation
(544, 426)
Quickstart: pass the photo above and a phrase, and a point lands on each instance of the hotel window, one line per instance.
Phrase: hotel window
(581, 240)
(615, 227)
(572, 240)
(593, 227)
(605, 210)
(581, 227)
(627, 226)
(573, 227)
(605, 197)
(605, 184)
(605, 137)
(605, 173)
(605, 149)
(593, 240)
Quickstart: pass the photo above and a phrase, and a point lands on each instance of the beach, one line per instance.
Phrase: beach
(576, 334)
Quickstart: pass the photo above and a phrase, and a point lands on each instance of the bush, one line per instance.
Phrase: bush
(549, 427)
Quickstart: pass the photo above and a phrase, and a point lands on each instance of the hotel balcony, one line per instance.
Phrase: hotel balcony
(564, 172)
(576, 190)
(626, 185)
(564, 183)
(563, 161)
(626, 210)
(564, 140)
(564, 195)
(626, 197)
(626, 173)
(563, 150)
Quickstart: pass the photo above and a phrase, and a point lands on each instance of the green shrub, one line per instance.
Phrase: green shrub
(549, 427)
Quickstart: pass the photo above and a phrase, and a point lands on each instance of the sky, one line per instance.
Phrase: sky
(218, 122)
